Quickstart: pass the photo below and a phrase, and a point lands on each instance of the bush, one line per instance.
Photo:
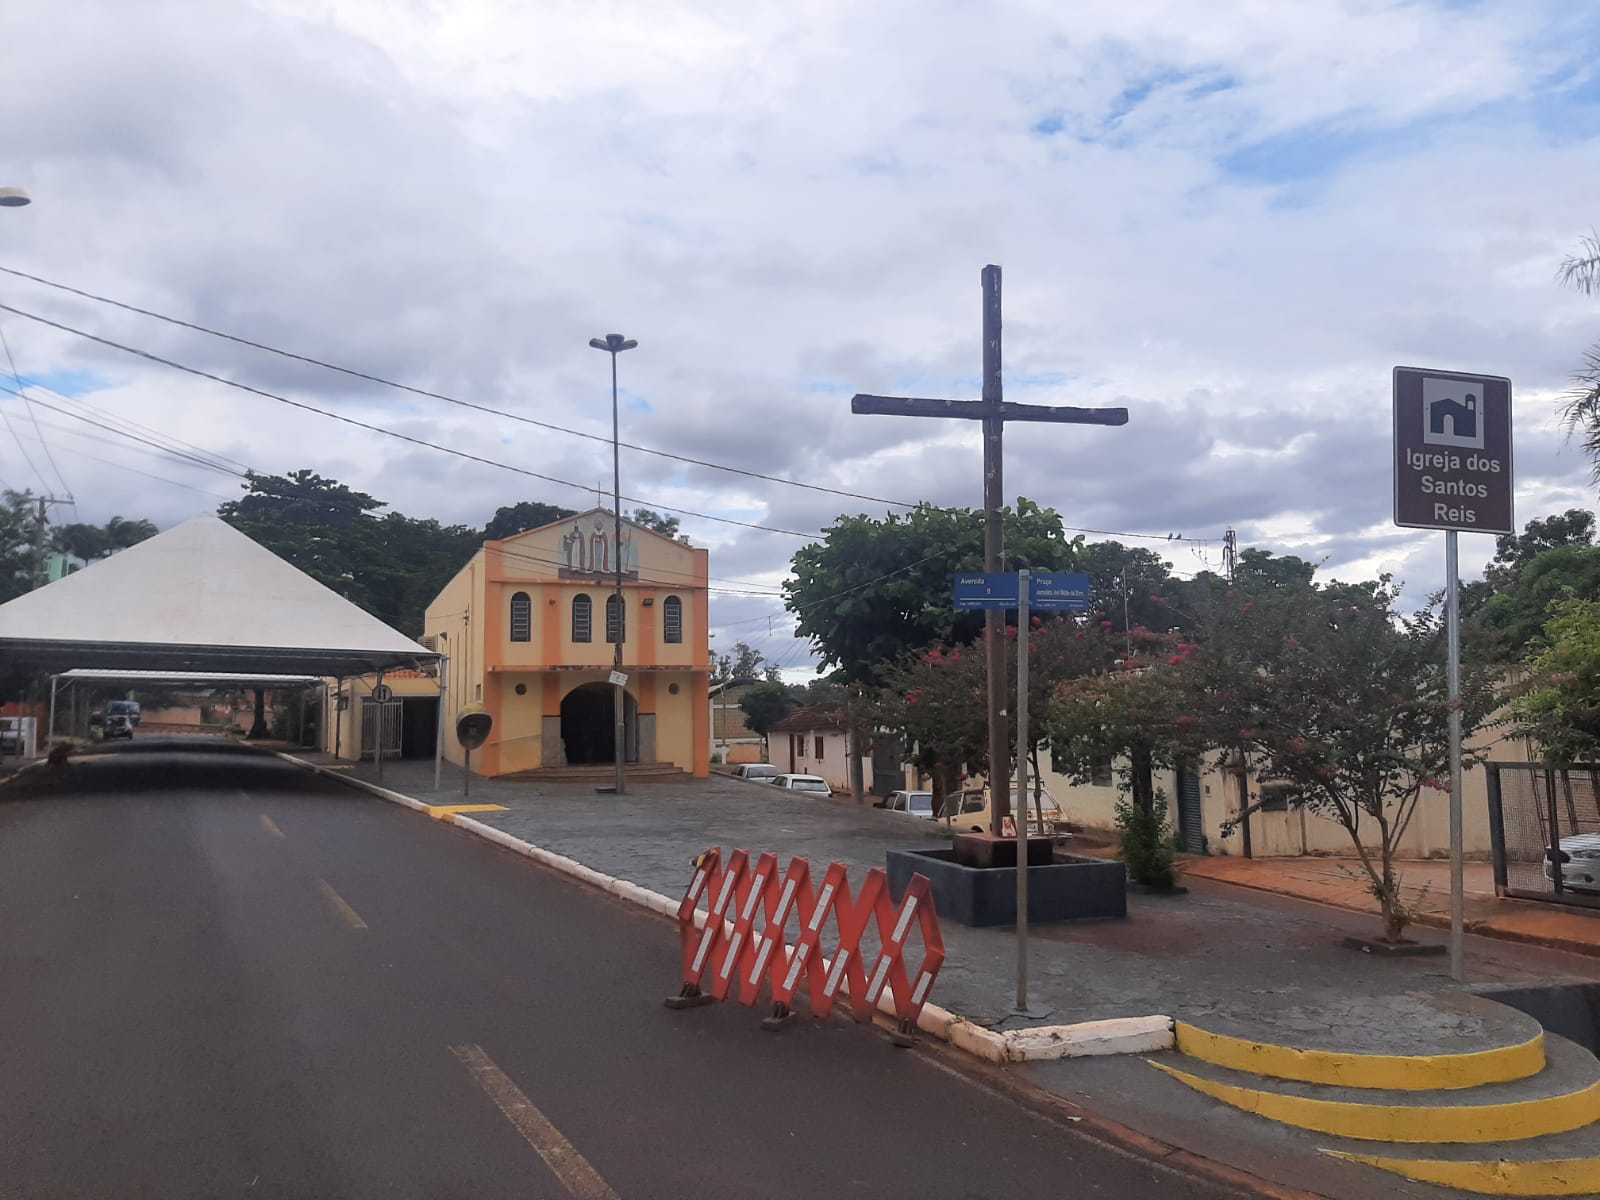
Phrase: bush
(716, 760)
(1146, 841)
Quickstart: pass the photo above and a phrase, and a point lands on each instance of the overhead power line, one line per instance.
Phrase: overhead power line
(367, 425)
(369, 377)
(38, 433)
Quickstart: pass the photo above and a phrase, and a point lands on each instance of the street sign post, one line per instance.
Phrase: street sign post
(1453, 471)
(985, 590)
(382, 694)
(1053, 591)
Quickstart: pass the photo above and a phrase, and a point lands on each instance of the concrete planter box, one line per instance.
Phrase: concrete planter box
(1069, 889)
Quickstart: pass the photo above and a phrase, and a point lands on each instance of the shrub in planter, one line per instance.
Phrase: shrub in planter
(1146, 841)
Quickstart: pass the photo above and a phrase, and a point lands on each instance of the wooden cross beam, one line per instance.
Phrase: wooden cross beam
(994, 411)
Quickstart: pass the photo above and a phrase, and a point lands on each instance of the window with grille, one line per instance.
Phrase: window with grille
(819, 749)
(616, 619)
(582, 619)
(672, 620)
(521, 618)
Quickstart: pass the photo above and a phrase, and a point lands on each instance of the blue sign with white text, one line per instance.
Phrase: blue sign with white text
(981, 590)
(1056, 592)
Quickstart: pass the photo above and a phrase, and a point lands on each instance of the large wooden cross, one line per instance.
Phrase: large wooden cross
(994, 411)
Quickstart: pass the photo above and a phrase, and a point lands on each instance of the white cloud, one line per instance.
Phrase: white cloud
(1245, 217)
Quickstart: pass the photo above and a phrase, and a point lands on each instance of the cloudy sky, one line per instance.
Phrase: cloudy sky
(1234, 219)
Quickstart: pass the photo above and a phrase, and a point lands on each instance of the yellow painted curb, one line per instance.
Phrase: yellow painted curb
(447, 812)
(1549, 1177)
(1390, 1072)
(1442, 1124)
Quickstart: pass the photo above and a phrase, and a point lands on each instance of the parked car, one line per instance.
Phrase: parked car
(117, 725)
(914, 804)
(972, 814)
(813, 785)
(757, 772)
(128, 708)
(1580, 863)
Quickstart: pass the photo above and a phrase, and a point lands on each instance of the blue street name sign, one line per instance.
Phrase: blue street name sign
(1053, 592)
(985, 590)
(1047, 592)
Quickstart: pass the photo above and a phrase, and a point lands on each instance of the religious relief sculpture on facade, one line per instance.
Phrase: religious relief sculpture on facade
(591, 552)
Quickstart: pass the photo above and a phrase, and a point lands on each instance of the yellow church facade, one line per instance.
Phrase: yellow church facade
(530, 625)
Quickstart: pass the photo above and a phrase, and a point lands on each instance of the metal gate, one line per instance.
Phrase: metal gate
(392, 726)
(1544, 824)
(1191, 823)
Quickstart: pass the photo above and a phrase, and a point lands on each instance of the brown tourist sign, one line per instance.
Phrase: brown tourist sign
(1452, 451)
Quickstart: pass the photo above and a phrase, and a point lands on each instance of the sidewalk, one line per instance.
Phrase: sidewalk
(1425, 885)
(1259, 965)
(1220, 956)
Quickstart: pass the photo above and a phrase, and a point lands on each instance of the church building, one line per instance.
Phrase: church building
(529, 625)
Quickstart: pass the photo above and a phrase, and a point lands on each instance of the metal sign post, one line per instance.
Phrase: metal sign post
(1022, 791)
(1453, 470)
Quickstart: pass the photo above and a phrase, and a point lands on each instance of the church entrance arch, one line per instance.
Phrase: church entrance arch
(587, 725)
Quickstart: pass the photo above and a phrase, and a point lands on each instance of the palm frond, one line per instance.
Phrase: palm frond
(1580, 408)
(1582, 270)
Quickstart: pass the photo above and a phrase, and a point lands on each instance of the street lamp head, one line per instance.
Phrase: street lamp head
(613, 343)
(13, 197)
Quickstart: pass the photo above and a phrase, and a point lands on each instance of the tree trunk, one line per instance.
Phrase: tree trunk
(858, 786)
(258, 727)
(1142, 779)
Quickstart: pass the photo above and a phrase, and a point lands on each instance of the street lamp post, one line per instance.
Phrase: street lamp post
(614, 344)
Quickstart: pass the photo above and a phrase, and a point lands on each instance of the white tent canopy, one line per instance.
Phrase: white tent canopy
(201, 597)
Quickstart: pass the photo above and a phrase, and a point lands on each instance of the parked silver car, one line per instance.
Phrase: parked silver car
(1580, 863)
(757, 772)
(913, 804)
(812, 785)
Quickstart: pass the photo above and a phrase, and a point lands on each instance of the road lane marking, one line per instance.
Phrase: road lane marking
(346, 914)
(563, 1159)
(271, 826)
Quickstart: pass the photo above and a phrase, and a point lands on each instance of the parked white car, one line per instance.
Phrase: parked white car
(756, 772)
(911, 804)
(813, 785)
(1580, 863)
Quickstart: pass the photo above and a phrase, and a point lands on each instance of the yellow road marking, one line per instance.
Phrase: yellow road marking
(1505, 1122)
(271, 826)
(563, 1159)
(447, 812)
(1391, 1072)
(1546, 1177)
(346, 914)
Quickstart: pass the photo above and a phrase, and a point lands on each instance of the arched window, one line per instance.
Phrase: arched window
(672, 620)
(616, 619)
(521, 618)
(582, 619)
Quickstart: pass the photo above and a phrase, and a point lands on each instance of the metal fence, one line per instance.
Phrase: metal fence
(1544, 823)
(391, 728)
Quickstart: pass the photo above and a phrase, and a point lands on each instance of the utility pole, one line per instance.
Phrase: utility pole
(1230, 553)
(41, 543)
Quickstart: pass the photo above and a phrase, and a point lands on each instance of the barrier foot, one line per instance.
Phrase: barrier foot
(904, 1034)
(781, 1016)
(690, 997)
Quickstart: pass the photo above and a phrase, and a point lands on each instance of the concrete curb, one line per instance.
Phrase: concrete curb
(1119, 1035)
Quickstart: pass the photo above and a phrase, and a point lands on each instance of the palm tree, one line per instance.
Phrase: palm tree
(1581, 410)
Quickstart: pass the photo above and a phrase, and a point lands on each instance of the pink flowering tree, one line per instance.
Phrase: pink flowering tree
(1340, 699)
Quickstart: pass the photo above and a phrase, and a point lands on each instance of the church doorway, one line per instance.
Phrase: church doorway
(587, 725)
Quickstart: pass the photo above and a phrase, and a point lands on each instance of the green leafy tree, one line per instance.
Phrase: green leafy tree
(90, 542)
(744, 662)
(1559, 710)
(1513, 552)
(19, 527)
(390, 565)
(512, 519)
(661, 523)
(1341, 701)
(1581, 410)
(1504, 623)
(875, 589)
(765, 705)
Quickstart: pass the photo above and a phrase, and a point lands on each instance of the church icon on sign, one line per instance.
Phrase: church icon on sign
(1452, 413)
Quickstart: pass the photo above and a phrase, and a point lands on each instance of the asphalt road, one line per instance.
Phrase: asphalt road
(220, 976)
